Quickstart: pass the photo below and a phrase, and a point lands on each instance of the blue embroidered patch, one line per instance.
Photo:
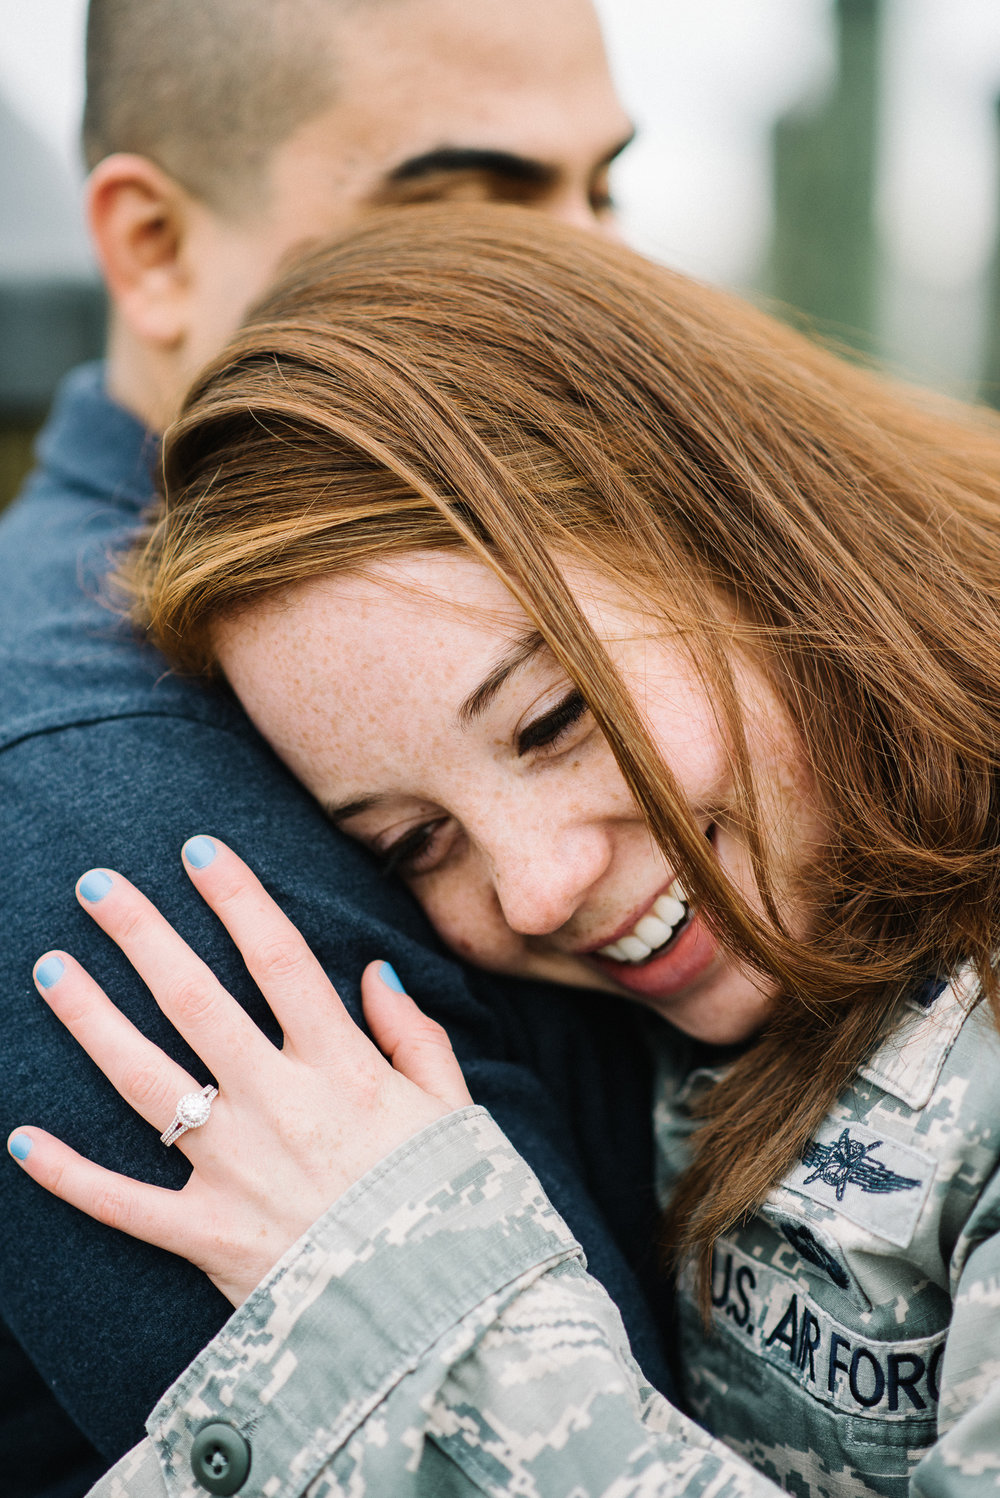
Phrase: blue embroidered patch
(759, 1307)
(877, 1181)
(846, 1163)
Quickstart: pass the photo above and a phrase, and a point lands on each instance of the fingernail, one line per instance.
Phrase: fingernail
(94, 886)
(199, 851)
(390, 977)
(19, 1146)
(49, 971)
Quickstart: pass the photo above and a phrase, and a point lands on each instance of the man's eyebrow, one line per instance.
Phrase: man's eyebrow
(473, 159)
(508, 164)
(522, 651)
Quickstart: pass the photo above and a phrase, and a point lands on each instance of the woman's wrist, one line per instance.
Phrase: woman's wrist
(450, 1222)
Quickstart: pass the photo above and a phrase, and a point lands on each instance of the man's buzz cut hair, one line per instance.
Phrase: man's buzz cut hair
(207, 89)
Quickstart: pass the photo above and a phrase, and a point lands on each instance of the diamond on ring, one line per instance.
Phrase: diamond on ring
(193, 1110)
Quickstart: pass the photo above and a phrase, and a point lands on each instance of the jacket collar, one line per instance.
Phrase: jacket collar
(910, 1061)
(92, 445)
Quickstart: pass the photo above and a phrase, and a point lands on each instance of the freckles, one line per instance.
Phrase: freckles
(467, 916)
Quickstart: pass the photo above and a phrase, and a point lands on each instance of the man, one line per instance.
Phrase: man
(253, 128)
(222, 136)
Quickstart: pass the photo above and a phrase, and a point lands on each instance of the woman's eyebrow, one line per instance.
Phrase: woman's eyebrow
(523, 650)
(342, 811)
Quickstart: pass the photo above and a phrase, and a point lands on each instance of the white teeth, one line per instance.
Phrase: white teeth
(652, 930)
(669, 911)
(634, 949)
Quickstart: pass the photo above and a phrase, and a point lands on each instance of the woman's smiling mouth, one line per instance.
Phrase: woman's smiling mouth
(664, 951)
(669, 970)
(654, 930)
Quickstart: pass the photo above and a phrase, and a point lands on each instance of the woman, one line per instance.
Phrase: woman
(657, 650)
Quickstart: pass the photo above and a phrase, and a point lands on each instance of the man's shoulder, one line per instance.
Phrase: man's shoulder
(106, 756)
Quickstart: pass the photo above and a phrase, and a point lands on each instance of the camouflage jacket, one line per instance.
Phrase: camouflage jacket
(436, 1334)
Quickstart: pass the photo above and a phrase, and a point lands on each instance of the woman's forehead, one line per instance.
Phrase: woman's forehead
(416, 625)
(440, 612)
(360, 681)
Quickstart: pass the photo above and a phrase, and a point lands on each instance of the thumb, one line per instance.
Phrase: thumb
(417, 1046)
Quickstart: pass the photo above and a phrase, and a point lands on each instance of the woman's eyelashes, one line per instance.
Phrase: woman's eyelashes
(415, 852)
(546, 731)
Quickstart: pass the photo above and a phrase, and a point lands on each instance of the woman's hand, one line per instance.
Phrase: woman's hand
(291, 1129)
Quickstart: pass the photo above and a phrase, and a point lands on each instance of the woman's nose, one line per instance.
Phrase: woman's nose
(543, 876)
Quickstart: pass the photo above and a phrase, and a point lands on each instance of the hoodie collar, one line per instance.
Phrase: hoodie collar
(91, 444)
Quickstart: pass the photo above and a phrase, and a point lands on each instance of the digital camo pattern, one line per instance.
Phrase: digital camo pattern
(436, 1333)
(856, 1321)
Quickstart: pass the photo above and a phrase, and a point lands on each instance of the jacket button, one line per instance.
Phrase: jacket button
(220, 1458)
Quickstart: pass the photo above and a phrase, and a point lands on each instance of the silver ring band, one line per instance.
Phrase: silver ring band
(193, 1110)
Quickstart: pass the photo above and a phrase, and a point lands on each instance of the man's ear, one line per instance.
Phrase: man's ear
(140, 219)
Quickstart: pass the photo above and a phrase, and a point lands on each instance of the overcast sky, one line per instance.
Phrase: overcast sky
(705, 80)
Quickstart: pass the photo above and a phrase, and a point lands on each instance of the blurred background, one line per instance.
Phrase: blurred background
(838, 158)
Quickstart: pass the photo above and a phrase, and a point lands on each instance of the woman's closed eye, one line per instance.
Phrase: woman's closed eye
(417, 851)
(547, 731)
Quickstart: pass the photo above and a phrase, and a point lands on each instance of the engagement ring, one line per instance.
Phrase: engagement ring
(193, 1110)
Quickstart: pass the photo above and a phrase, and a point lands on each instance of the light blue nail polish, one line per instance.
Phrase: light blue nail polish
(199, 851)
(390, 978)
(19, 1146)
(94, 886)
(49, 971)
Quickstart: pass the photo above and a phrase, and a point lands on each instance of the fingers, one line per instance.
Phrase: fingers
(186, 990)
(417, 1045)
(144, 1076)
(148, 1212)
(294, 982)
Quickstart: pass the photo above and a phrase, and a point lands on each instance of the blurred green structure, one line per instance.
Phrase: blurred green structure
(824, 254)
(824, 268)
(46, 327)
(52, 307)
(16, 446)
